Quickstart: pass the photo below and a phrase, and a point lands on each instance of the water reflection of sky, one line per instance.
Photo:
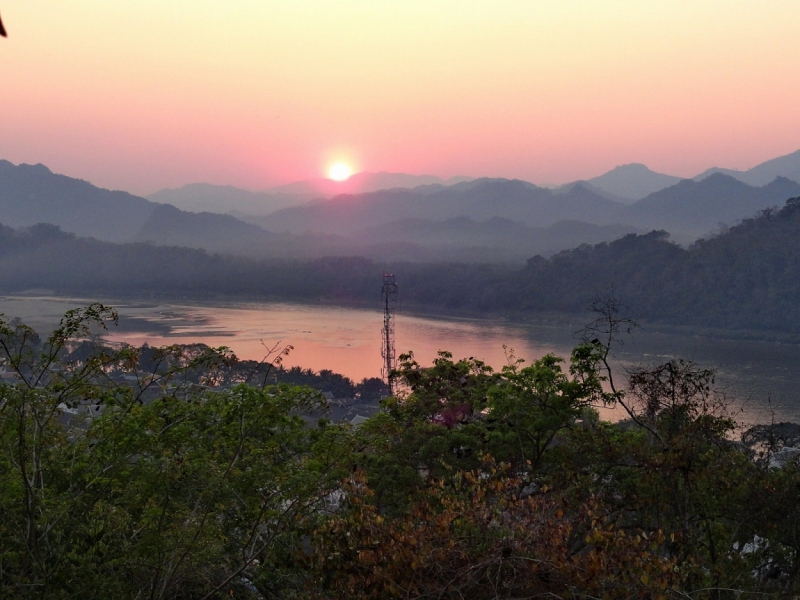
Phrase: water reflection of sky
(761, 377)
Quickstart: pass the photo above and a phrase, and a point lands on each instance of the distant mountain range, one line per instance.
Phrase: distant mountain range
(784, 166)
(625, 184)
(32, 194)
(361, 183)
(633, 182)
(481, 220)
(479, 200)
(694, 208)
(225, 199)
(687, 210)
(744, 278)
(636, 181)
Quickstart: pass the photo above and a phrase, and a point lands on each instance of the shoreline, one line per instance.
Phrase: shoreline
(543, 320)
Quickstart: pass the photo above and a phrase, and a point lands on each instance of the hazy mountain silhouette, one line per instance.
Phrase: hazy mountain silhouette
(784, 166)
(562, 189)
(745, 277)
(633, 182)
(170, 226)
(718, 170)
(497, 239)
(479, 200)
(480, 220)
(31, 194)
(687, 209)
(636, 181)
(224, 199)
(360, 183)
(694, 208)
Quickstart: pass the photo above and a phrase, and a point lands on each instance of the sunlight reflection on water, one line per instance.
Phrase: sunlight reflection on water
(762, 377)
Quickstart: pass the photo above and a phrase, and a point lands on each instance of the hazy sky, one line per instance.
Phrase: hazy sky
(146, 94)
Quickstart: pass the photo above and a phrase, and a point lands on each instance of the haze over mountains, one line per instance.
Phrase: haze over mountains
(632, 182)
(743, 278)
(204, 197)
(481, 220)
(361, 183)
(635, 181)
(32, 194)
(224, 199)
(784, 166)
(687, 210)
(625, 184)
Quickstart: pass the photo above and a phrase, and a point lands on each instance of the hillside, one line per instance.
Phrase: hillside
(31, 194)
(360, 183)
(633, 182)
(484, 220)
(494, 240)
(169, 226)
(687, 210)
(227, 199)
(479, 200)
(787, 166)
(693, 209)
(224, 199)
(744, 278)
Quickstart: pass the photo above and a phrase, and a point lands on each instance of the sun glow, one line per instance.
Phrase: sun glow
(340, 172)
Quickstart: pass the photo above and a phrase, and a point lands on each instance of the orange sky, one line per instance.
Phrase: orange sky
(148, 94)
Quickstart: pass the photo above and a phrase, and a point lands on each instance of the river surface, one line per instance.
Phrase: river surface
(760, 379)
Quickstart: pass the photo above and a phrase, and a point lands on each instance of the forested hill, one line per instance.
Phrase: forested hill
(695, 208)
(747, 277)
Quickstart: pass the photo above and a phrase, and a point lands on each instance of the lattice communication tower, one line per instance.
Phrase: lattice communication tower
(388, 298)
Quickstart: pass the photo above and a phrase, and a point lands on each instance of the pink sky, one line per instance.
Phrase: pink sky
(145, 95)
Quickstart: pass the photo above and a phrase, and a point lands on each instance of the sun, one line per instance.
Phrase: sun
(340, 171)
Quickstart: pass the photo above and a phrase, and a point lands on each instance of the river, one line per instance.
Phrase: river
(760, 379)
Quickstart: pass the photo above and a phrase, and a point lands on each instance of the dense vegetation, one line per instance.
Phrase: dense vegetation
(156, 474)
(745, 277)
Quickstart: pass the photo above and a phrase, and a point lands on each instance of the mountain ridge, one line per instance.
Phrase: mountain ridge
(633, 181)
(462, 220)
(787, 166)
(625, 183)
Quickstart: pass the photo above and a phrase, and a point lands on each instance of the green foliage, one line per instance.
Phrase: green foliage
(532, 406)
(170, 497)
(153, 473)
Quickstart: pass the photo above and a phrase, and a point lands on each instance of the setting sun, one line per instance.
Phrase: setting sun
(340, 172)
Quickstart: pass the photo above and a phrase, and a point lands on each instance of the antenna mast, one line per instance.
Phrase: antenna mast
(388, 297)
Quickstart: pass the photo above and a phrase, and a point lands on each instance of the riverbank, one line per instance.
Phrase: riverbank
(758, 375)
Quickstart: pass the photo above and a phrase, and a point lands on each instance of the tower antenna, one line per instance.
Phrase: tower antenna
(388, 298)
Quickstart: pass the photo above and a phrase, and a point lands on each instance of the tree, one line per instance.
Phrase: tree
(164, 488)
(479, 539)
